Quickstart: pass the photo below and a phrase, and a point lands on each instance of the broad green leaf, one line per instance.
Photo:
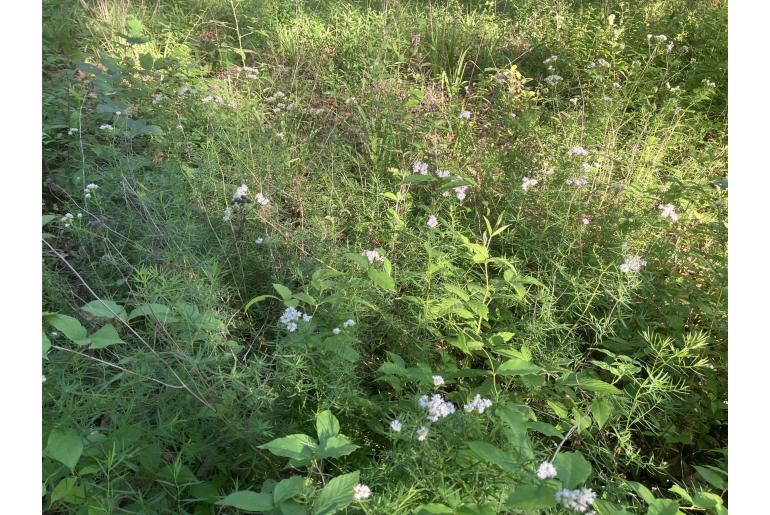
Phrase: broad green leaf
(292, 508)
(288, 488)
(707, 500)
(681, 492)
(283, 291)
(335, 447)
(601, 408)
(381, 279)
(515, 418)
(544, 428)
(358, 259)
(592, 384)
(642, 491)
(603, 507)
(65, 446)
(476, 509)
(663, 507)
(297, 447)
(247, 500)
(68, 490)
(336, 495)
(326, 425)
(517, 367)
(713, 477)
(258, 299)
(69, 327)
(433, 509)
(412, 179)
(496, 456)
(105, 337)
(535, 497)
(572, 468)
(146, 61)
(159, 311)
(48, 218)
(46, 345)
(105, 309)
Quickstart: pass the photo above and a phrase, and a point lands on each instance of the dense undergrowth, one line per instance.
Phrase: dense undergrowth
(517, 209)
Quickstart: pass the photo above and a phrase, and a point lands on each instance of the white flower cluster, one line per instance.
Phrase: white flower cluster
(554, 79)
(183, 90)
(158, 98)
(586, 220)
(432, 222)
(438, 380)
(349, 323)
(67, 219)
(442, 174)
(478, 404)
(577, 151)
(660, 37)
(459, 192)
(291, 316)
(361, 492)
(372, 256)
(261, 199)
(251, 72)
(350, 100)
(72, 130)
(89, 189)
(527, 183)
(239, 197)
(420, 168)
(465, 115)
(578, 500)
(551, 59)
(599, 62)
(396, 426)
(209, 98)
(546, 470)
(632, 264)
(667, 211)
(259, 241)
(106, 127)
(437, 407)
(422, 434)
(578, 181)
(227, 214)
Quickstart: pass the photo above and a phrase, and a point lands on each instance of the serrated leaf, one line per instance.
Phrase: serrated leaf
(105, 309)
(601, 408)
(65, 446)
(530, 497)
(572, 468)
(326, 425)
(247, 500)
(69, 327)
(297, 447)
(335, 447)
(105, 337)
(336, 495)
(494, 455)
(381, 279)
(288, 488)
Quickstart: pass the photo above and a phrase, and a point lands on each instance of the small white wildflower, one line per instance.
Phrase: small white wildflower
(306, 317)
(553, 79)
(667, 211)
(670, 47)
(709, 83)
(465, 115)
(546, 470)
(586, 220)
(207, 99)
(261, 199)
(87, 195)
(54, 334)
(460, 192)
(420, 168)
(442, 174)
(551, 59)
(632, 264)
(106, 127)
(432, 222)
(422, 434)
(636, 62)
(437, 407)
(280, 135)
(179, 127)
(158, 98)
(92, 186)
(438, 380)
(577, 151)
(478, 404)
(72, 130)
(548, 171)
(240, 194)
(336, 330)
(361, 492)
(183, 90)
(372, 255)
(395, 426)
(259, 241)
(618, 186)
(616, 85)
(527, 183)
(349, 323)
(578, 500)
(44, 378)
(350, 100)
(578, 181)
(661, 37)
(291, 327)
(228, 213)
